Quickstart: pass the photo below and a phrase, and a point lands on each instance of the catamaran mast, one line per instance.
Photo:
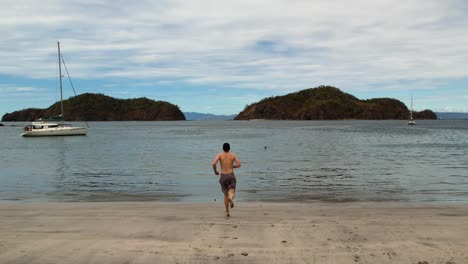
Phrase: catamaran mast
(60, 74)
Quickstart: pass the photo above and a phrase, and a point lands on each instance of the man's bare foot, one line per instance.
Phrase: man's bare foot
(227, 214)
(231, 203)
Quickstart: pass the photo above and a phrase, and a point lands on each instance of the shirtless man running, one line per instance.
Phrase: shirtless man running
(229, 162)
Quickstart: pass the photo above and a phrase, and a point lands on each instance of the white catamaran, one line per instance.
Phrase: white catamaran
(44, 126)
(411, 122)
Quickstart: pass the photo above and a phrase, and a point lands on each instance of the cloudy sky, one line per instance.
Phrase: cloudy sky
(218, 56)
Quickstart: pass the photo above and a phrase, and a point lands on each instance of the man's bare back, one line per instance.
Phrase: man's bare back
(228, 162)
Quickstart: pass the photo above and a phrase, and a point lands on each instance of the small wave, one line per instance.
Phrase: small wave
(444, 183)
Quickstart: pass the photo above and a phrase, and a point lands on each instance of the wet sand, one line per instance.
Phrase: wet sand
(152, 232)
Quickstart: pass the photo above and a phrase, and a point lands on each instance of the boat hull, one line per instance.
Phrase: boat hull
(61, 131)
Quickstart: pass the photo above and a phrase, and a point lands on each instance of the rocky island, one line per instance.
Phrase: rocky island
(328, 103)
(99, 107)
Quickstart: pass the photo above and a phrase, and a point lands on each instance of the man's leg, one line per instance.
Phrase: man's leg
(231, 194)
(226, 203)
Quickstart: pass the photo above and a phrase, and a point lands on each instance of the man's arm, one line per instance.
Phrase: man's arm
(238, 164)
(215, 161)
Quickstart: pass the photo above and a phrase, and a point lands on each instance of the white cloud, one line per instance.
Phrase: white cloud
(277, 45)
(6, 89)
(21, 89)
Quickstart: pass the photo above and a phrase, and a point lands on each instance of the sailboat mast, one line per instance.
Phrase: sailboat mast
(60, 74)
(411, 112)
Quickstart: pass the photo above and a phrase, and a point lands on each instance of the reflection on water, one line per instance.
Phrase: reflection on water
(281, 161)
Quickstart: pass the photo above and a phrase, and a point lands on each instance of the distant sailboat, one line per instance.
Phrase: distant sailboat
(43, 126)
(411, 122)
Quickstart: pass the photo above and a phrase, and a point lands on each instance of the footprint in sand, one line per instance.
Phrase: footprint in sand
(230, 255)
(216, 258)
(284, 241)
(244, 254)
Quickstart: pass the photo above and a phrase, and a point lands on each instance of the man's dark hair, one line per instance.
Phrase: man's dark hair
(226, 147)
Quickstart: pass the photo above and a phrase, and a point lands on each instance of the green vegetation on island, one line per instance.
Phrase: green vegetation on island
(99, 107)
(328, 103)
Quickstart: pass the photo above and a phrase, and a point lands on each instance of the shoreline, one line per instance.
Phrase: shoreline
(182, 232)
(219, 200)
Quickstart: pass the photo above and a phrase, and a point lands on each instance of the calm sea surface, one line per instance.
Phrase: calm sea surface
(281, 161)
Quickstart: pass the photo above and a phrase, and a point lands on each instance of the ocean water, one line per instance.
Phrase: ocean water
(335, 161)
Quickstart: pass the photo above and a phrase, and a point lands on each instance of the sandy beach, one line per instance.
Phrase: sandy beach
(153, 232)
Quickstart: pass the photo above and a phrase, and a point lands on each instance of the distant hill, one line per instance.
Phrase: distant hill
(99, 107)
(328, 103)
(451, 115)
(200, 116)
